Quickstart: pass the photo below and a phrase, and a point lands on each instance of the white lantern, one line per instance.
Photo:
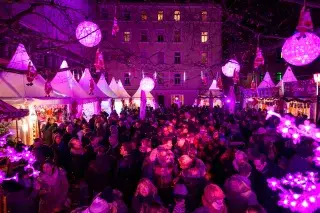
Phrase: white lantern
(147, 84)
(88, 34)
(230, 67)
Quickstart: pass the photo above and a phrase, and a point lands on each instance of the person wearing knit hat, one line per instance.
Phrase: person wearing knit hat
(212, 200)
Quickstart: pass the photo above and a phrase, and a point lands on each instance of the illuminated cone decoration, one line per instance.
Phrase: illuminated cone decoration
(91, 86)
(31, 74)
(259, 60)
(305, 22)
(253, 84)
(115, 27)
(47, 88)
(99, 62)
(219, 82)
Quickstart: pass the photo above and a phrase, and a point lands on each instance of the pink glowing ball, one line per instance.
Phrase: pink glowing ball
(230, 67)
(300, 49)
(147, 84)
(88, 34)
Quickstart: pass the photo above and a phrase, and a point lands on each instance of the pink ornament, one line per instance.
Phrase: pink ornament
(88, 34)
(301, 49)
(147, 84)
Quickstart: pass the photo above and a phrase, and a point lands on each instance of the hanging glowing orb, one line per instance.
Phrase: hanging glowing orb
(300, 49)
(229, 68)
(88, 34)
(147, 84)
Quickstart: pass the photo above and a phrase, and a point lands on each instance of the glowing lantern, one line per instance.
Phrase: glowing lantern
(301, 49)
(147, 84)
(88, 34)
(230, 67)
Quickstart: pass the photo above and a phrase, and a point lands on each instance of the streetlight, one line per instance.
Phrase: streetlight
(316, 78)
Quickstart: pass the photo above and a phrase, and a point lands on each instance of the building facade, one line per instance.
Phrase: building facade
(179, 45)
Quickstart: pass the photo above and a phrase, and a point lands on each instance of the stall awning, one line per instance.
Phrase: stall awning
(8, 112)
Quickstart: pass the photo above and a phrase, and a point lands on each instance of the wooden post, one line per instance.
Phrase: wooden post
(17, 129)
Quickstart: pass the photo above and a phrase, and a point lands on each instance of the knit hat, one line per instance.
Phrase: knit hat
(213, 193)
(180, 190)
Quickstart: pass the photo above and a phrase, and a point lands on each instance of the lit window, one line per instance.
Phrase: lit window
(204, 57)
(126, 15)
(177, 79)
(177, 58)
(279, 76)
(127, 79)
(204, 37)
(160, 37)
(144, 36)
(144, 16)
(177, 36)
(160, 15)
(177, 15)
(160, 57)
(204, 15)
(127, 36)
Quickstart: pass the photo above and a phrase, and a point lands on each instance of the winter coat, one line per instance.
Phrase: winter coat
(204, 209)
(22, 201)
(239, 194)
(55, 188)
(138, 201)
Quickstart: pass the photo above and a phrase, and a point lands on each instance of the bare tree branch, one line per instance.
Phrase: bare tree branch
(308, 4)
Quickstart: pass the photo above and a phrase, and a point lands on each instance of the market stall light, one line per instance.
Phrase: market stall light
(88, 34)
(316, 78)
(301, 49)
(24, 127)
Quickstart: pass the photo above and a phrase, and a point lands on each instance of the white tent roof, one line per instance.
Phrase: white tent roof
(104, 87)
(65, 83)
(287, 77)
(114, 86)
(138, 94)
(213, 85)
(85, 84)
(266, 82)
(13, 85)
(122, 91)
(20, 60)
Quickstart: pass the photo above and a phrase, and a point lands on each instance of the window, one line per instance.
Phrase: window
(104, 35)
(144, 16)
(104, 14)
(177, 79)
(204, 15)
(204, 58)
(177, 58)
(160, 57)
(160, 37)
(144, 36)
(177, 36)
(278, 76)
(127, 36)
(176, 15)
(160, 79)
(204, 37)
(127, 79)
(126, 15)
(160, 15)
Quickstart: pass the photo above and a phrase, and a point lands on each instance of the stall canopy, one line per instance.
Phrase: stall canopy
(65, 83)
(8, 112)
(104, 87)
(287, 77)
(20, 60)
(122, 91)
(214, 85)
(266, 82)
(85, 82)
(137, 95)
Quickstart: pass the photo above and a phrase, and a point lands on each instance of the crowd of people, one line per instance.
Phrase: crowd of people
(188, 159)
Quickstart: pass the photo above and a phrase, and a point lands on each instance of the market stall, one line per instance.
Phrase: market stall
(268, 94)
(65, 83)
(88, 84)
(211, 97)
(122, 95)
(136, 98)
(287, 77)
(300, 98)
(104, 87)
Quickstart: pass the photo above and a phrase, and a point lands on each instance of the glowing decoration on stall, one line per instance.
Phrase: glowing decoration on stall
(259, 60)
(230, 67)
(184, 76)
(99, 62)
(155, 75)
(88, 34)
(91, 86)
(31, 74)
(47, 88)
(115, 27)
(305, 22)
(300, 49)
(147, 84)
